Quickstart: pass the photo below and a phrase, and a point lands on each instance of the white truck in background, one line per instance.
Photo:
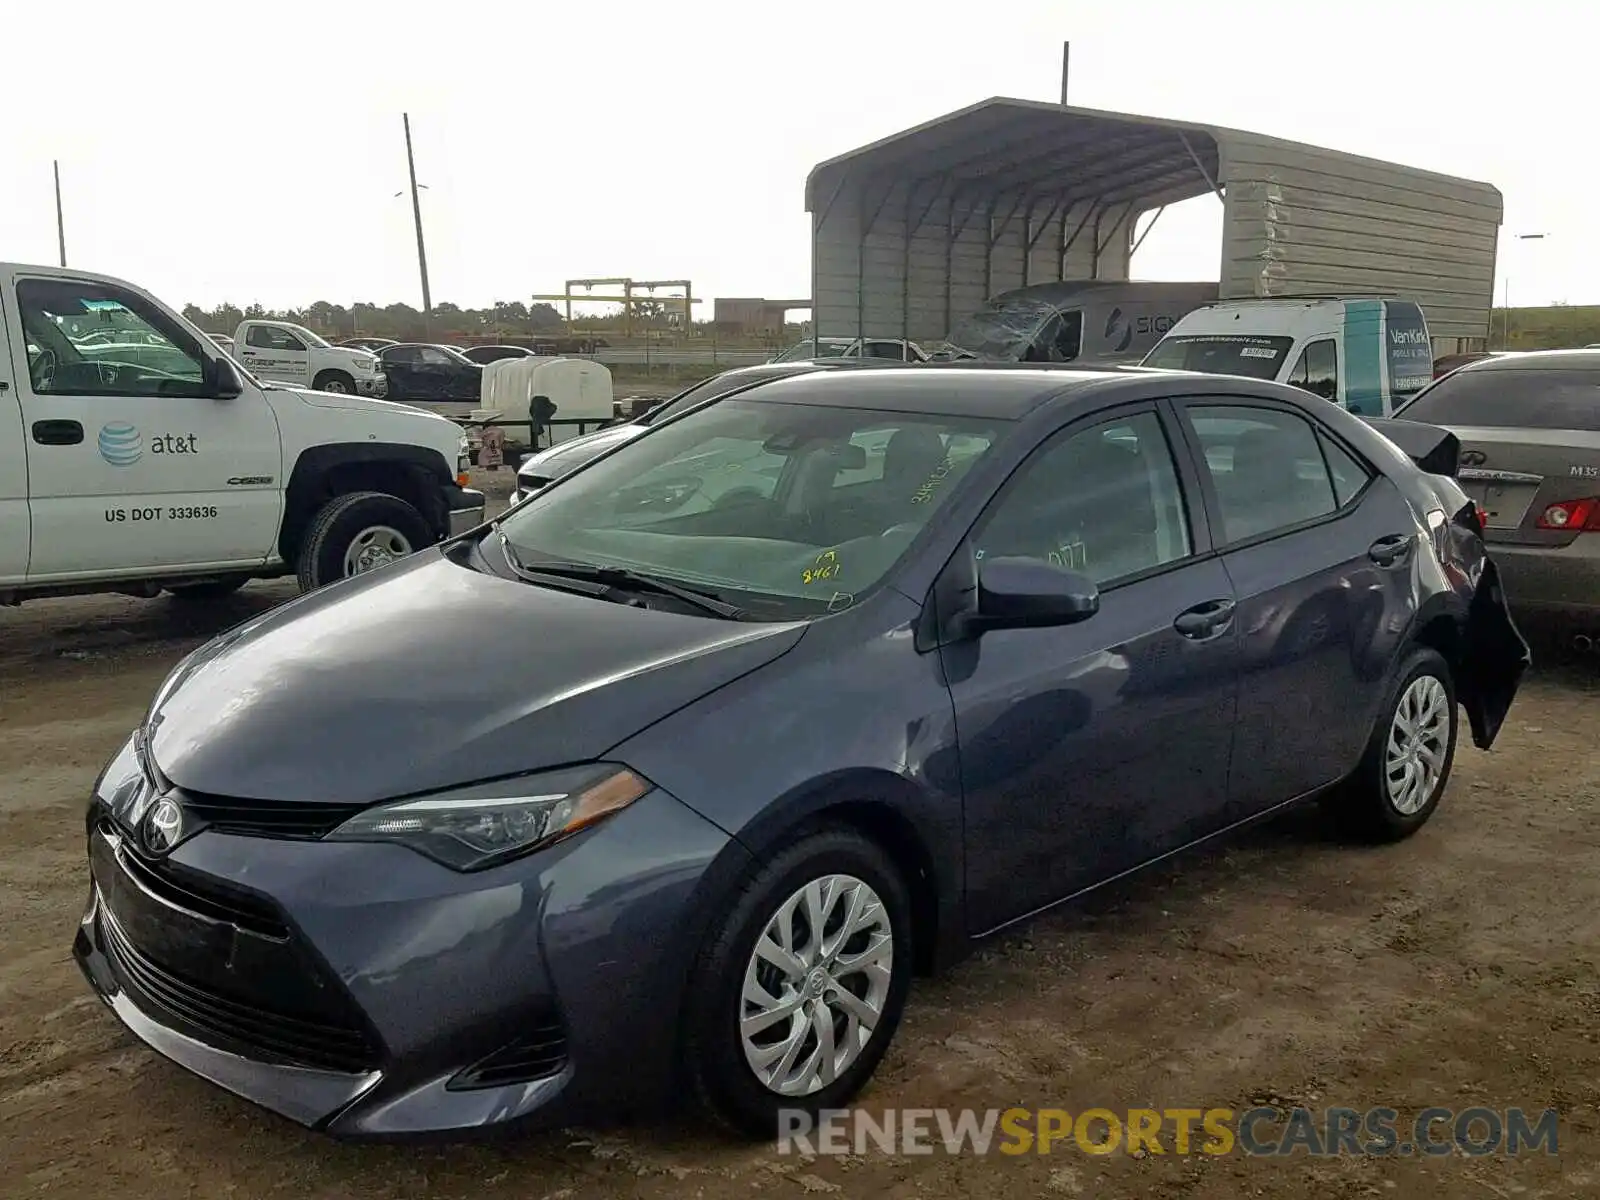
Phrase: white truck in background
(283, 352)
(137, 457)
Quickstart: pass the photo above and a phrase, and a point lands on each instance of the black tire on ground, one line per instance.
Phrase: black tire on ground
(343, 520)
(714, 1057)
(334, 381)
(1362, 805)
(211, 589)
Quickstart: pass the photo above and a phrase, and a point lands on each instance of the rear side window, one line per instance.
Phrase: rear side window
(1267, 468)
(1511, 399)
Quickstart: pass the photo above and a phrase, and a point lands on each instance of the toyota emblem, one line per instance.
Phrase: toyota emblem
(1473, 458)
(163, 827)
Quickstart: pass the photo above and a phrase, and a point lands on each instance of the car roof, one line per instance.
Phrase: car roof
(1007, 392)
(1539, 360)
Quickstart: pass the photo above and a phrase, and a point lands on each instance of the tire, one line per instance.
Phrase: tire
(715, 1052)
(212, 589)
(1366, 806)
(334, 381)
(383, 525)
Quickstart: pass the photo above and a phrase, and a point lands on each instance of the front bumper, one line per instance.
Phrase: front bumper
(1552, 581)
(371, 1011)
(466, 508)
(377, 387)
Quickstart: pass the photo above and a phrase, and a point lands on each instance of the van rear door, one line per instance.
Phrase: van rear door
(1408, 351)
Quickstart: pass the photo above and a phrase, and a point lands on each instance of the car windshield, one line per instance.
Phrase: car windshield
(1002, 330)
(706, 389)
(787, 510)
(1517, 399)
(1220, 354)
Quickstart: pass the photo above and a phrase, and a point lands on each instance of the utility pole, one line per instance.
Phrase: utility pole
(1066, 61)
(61, 226)
(416, 212)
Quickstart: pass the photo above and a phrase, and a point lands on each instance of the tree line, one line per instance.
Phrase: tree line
(400, 322)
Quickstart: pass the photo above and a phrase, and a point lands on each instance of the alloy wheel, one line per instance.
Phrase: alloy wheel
(816, 985)
(1419, 736)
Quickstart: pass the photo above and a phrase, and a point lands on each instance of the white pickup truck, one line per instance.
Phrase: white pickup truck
(137, 457)
(286, 353)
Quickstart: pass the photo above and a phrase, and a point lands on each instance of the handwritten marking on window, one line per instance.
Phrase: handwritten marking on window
(825, 567)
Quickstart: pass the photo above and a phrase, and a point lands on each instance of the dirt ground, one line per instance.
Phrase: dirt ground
(1460, 968)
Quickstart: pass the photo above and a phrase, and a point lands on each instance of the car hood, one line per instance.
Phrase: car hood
(428, 674)
(570, 455)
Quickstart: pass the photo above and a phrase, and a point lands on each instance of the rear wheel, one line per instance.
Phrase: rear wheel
(798, 990)
(357, 533)
(1408, 758)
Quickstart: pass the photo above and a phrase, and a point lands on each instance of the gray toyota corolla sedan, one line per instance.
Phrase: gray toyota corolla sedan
(669, 781)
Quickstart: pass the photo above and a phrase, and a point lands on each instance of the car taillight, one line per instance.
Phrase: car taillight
(1572, 514)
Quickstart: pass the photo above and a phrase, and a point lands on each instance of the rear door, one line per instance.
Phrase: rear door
(1530, 448)
(1318, 548)
(14, 524)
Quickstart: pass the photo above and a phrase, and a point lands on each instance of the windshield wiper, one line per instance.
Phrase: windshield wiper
(615, 577)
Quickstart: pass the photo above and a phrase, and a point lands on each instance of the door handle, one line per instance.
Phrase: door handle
(1204, 620)
(57, 433)
(1387, 551)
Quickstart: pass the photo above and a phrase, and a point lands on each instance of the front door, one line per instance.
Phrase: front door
(1090, 749)
(133, 467)
(276, 355)
(1319, 548)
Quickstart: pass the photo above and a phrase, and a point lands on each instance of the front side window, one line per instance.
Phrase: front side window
(85, 338)
(1267, 468)
(790, 510)
(1317, 370)
(1104, 501)
(1221, 354)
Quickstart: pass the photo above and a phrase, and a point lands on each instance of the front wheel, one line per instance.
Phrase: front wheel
(1407, 762)
(799, 988)
(357, 533)
(336, 382)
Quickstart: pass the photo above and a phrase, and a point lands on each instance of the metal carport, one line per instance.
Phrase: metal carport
(914, 231)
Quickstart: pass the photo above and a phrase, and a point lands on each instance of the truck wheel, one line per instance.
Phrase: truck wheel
(357, 533)
(336, 382)
(211, 589)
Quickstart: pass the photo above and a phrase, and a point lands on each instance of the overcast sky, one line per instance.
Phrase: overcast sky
(253, 152)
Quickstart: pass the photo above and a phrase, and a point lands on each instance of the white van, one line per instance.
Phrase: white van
(1367, 354)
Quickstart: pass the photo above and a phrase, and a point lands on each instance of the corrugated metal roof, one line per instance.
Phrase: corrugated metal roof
(1007, 144)
(916, 229)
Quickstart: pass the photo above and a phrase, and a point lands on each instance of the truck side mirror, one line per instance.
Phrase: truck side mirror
(225, 383)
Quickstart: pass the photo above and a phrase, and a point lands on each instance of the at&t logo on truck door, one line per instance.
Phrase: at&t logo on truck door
(122, 445)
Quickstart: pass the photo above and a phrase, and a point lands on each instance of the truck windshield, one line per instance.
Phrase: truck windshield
(1221, 354)
(309, 338)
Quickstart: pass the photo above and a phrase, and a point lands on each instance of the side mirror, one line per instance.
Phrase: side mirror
(1029, 593)
(225, 381)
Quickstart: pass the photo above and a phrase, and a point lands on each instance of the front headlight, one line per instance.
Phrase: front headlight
(483, 824)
